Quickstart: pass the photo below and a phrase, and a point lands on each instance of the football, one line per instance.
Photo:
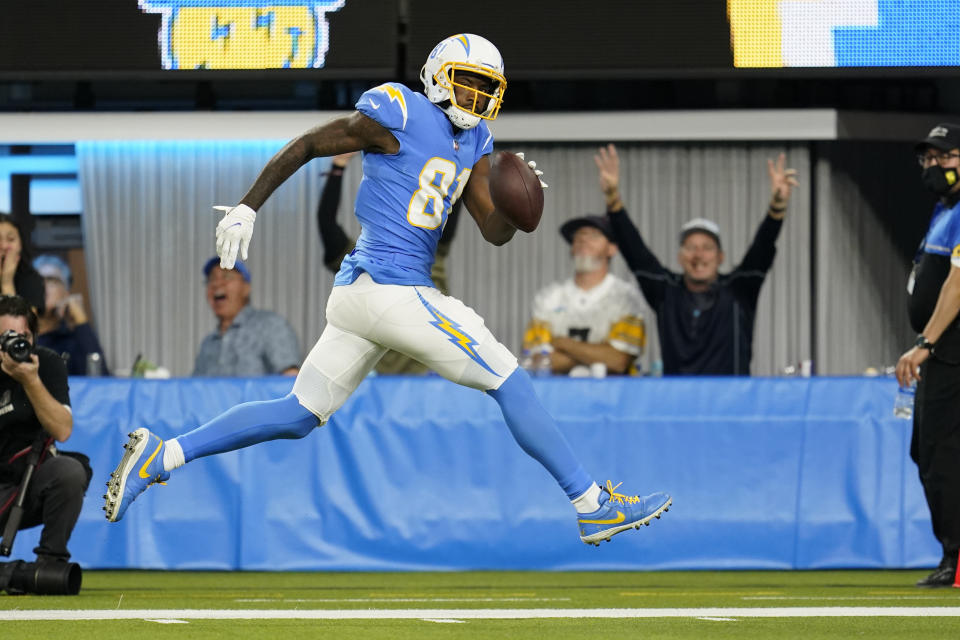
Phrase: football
(516, 191)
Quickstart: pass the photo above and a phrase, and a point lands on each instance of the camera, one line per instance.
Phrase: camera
(41, 578)
(17, 345)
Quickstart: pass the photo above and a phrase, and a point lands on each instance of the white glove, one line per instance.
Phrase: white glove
(536, 172)
(234, 233)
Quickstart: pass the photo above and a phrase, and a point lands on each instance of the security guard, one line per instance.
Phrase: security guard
(934, 360)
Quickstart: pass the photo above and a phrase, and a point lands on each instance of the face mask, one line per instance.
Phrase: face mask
(586, 264)
(939, 180)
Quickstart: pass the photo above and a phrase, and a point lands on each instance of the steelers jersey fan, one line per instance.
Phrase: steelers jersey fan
(609, 312)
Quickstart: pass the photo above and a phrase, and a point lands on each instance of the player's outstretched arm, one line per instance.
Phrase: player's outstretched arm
(494, 227)
(355, 132)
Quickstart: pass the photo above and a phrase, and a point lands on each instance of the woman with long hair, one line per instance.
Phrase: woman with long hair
(17, 275)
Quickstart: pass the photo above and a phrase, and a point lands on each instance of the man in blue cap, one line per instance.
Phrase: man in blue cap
(247, 341)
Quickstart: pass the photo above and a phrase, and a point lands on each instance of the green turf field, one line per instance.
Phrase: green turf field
(807, 604)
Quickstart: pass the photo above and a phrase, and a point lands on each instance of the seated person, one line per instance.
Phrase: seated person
(593, 319)
(34, 410)
(63, 327)
(247, 341)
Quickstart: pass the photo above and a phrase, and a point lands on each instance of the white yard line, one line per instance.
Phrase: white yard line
(476, 614)
(328, 600)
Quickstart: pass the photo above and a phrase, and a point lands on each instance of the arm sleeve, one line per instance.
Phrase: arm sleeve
(760, 255)
(53, 375)
(284, 350)
(650, 273)
(335, 242)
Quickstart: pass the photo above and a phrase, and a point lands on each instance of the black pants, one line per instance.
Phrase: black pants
(935, 447)
(54, 499)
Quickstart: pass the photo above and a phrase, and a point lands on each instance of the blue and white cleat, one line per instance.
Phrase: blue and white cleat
(618, 513)
(135, 472)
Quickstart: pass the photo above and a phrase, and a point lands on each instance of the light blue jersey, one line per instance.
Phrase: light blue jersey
(404, 198)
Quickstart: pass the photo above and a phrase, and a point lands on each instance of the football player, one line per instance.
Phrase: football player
(421, 152)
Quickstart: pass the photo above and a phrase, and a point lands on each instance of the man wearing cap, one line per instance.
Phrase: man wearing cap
(705, 318)
(934, 359)
(247, 341)
(590, 323)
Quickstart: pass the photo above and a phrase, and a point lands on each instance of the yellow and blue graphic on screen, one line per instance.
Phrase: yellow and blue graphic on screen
(458, 336)
(243, 34)
(844, 33)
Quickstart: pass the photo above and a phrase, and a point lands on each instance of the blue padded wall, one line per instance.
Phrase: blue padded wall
(418, 473)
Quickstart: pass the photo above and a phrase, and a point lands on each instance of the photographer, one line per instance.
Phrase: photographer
(34, 407)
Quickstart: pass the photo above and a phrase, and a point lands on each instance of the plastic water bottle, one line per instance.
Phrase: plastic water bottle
(94, 365)
(526, 359)
(543, 364)
(903, 404)
(656, 368)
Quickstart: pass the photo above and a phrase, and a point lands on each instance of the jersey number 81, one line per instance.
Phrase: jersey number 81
(426, 204)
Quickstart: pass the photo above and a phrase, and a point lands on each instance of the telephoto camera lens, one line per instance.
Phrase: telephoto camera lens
(41, 578)
(16, 345)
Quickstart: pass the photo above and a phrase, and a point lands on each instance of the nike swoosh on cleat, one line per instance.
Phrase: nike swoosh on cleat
(620, 518)
(143, 469)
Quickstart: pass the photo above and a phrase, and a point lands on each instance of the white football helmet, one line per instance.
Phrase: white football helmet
(469, 53)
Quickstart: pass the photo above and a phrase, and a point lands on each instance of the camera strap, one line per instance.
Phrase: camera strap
(36, 456)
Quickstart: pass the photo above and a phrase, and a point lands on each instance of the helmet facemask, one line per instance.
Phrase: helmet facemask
(457, 56)
(447, 76)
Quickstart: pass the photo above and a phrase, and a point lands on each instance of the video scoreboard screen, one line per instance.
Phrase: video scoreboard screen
(542, 38)
(538, 38)
(342, 37)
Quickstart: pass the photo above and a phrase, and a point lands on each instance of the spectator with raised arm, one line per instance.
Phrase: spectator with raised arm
(705, 318)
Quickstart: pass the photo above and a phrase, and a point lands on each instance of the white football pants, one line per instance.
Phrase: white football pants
(364, 319)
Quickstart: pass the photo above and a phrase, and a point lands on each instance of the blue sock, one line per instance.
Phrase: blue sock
(537, 433)
(246, 424)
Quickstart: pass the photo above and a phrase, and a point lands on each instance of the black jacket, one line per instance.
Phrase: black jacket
(709, 333)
